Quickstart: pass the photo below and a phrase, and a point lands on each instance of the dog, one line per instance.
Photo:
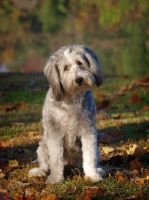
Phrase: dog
(69, 115)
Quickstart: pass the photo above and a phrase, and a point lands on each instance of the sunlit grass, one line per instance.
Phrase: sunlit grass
(21, 128)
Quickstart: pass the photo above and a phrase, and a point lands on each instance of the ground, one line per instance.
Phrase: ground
(123, 127)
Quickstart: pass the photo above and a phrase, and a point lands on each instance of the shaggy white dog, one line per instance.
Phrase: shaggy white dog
(69, 115)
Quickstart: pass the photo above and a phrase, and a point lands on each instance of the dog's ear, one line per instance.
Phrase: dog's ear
(52, 73)
(94, 66)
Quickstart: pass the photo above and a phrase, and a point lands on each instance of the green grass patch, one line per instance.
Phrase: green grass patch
(122, 106)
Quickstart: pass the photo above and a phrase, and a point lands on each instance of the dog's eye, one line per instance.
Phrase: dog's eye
(79, 63)
(66, 68)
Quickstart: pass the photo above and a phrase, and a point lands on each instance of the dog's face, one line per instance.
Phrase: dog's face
(73, 69)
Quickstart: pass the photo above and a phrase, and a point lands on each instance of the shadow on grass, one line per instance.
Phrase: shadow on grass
(131, 133)
(113, 189)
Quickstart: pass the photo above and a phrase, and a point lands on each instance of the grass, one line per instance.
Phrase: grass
(21, 100)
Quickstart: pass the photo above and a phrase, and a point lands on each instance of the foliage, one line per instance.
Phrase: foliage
(116, 30)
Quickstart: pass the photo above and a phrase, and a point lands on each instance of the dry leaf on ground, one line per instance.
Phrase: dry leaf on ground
(120, 176)
(49, 197)
(135, 164)
(144, 80)
(10, 108)
(135, 150)
(139, 180)
(102, 105)
(135, 172)
(107, 150)
(145, 107)
(117, 116)
(101, 95)
(107, 137)
(13, 163)
(91, 191)
(135, 99)
(2, 175)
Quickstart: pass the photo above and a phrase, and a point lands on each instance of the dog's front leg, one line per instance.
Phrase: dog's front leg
(89, 148)
(55, 148)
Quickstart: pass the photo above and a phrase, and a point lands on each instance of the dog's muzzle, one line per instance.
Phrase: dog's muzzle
(79, 80)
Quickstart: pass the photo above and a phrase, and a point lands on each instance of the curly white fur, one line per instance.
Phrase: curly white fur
(70, 135)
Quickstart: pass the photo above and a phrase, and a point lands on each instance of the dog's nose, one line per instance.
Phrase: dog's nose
(79, 80)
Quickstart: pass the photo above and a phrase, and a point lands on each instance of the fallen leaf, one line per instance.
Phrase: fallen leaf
(2, 175)
(117, 116)
(144, 80)
(135, 172)
(139, 151)
(101, 95)
(3, 190)
(91, 191)
(10, 108)
(13, 163)
(145, 107)
(49, 197)
(4, 144)
(27, 197)
(104, 104)
(131, 86)
(119, 123)
(79, 197)
(123, 88)
(138, 180)
(135, 99)
(135, 164)
(24, 197)
(135, 150)
(107, 149)
(120, 176)
(21, 104)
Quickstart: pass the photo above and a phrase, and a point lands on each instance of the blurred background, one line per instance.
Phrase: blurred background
(117, 30)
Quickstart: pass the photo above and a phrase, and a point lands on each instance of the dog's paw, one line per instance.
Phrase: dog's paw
(101, 171)
(53, 180)
(94, 177)
(36, 172)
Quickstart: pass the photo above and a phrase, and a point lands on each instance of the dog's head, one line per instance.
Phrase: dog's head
(73, 69)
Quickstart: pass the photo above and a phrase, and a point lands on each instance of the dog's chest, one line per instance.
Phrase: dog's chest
(72, 116)
(70, 124)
